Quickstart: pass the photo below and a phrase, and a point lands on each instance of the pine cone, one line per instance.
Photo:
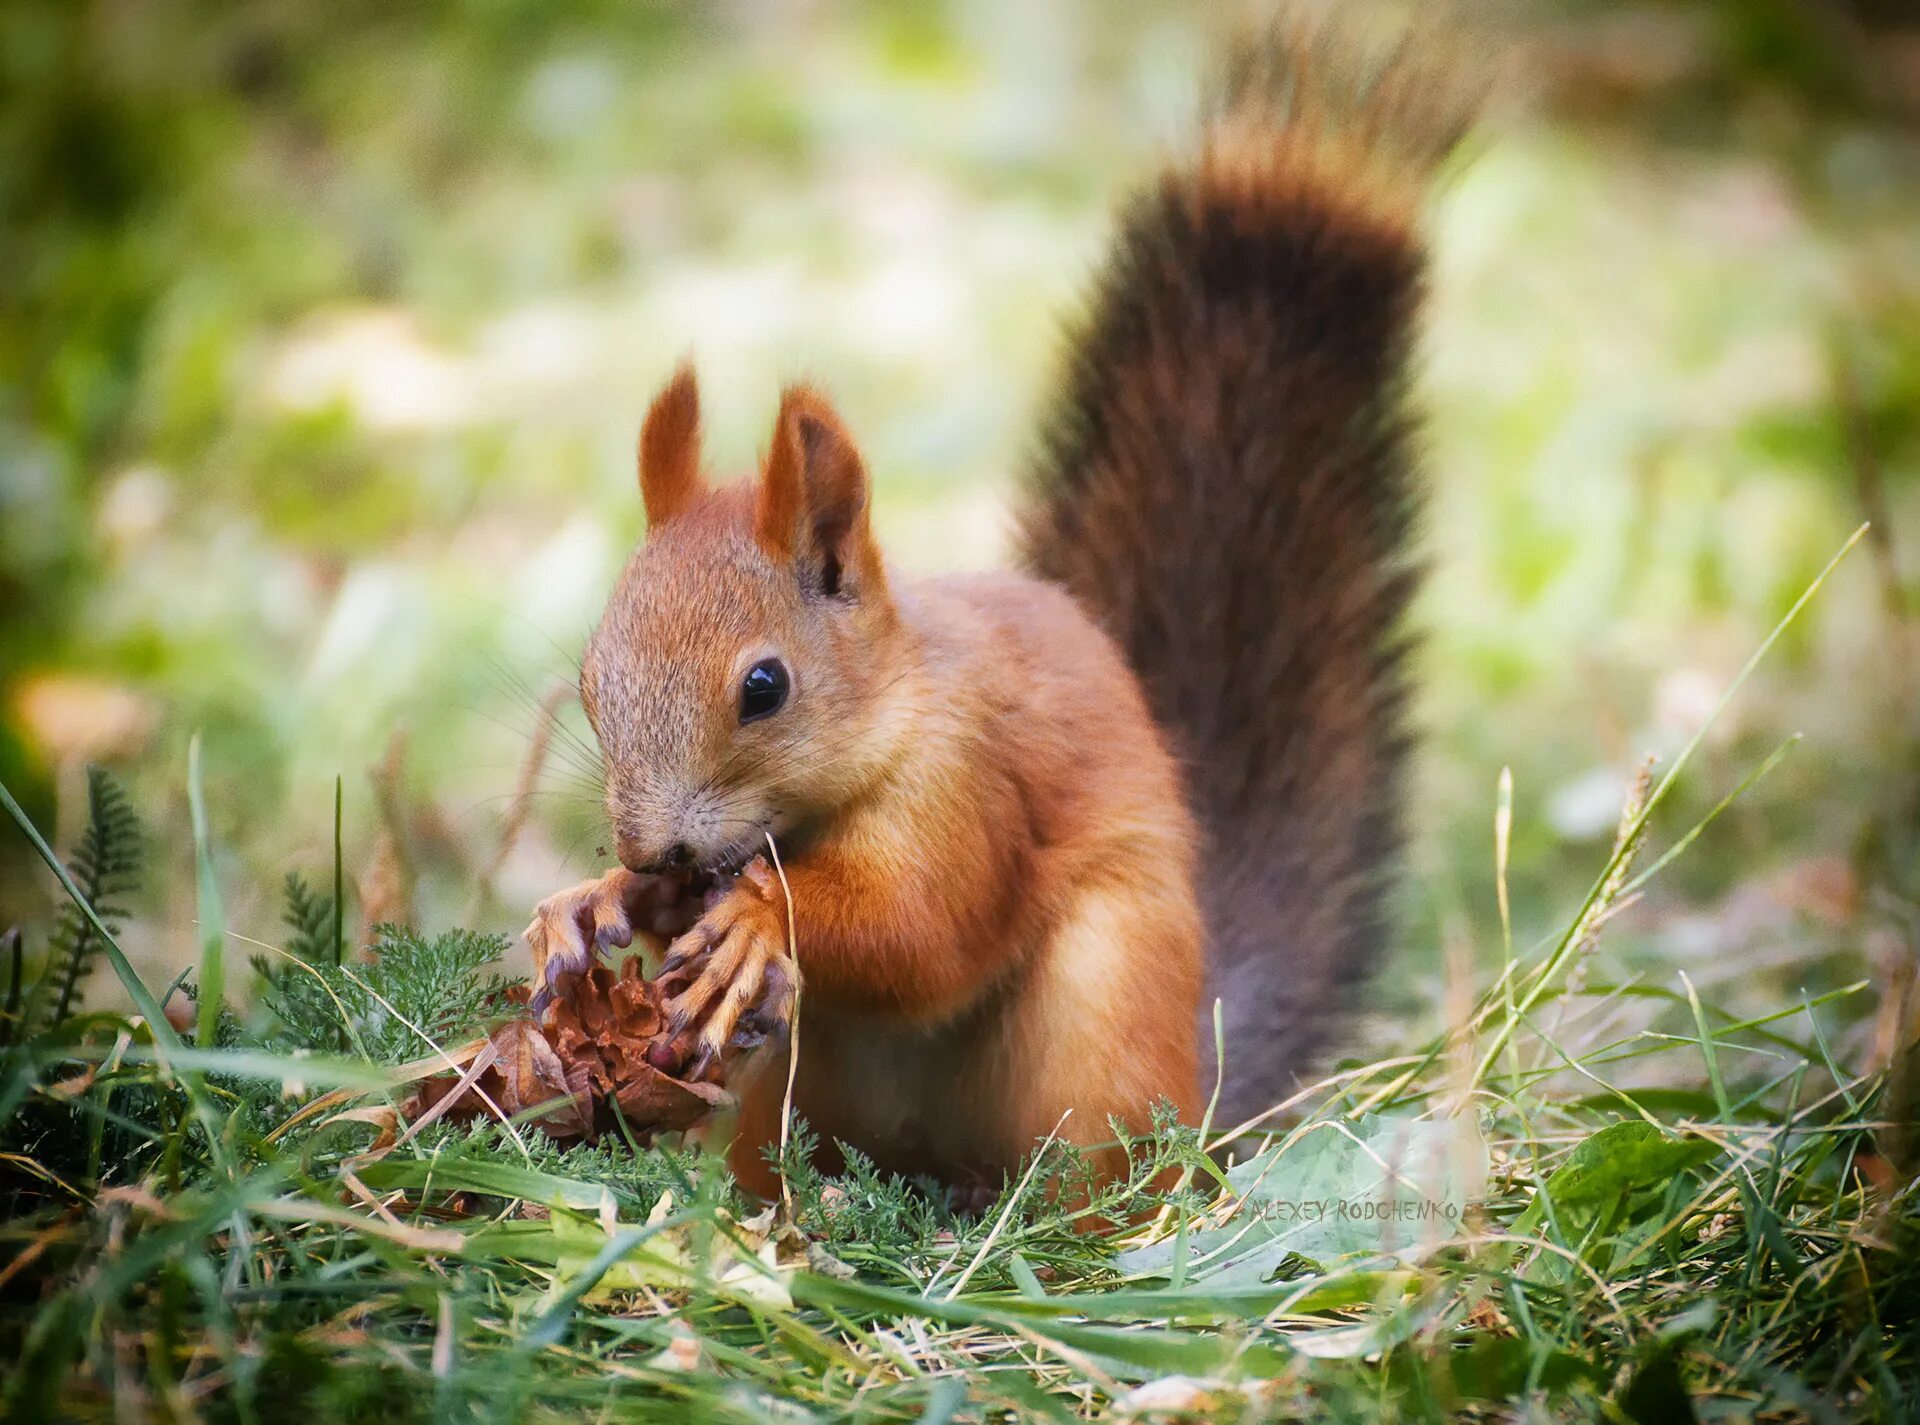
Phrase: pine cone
(603, 1041)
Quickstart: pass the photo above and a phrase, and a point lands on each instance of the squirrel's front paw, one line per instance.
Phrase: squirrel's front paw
(568, 929)
(739, 974)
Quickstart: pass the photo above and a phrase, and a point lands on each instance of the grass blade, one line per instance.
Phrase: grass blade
(339, 879)
(213, 915)
(1545, 975)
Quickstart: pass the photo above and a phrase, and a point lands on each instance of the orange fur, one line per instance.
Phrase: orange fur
(988, 851)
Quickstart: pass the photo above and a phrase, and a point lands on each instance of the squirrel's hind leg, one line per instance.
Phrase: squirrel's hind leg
(1105, 1025)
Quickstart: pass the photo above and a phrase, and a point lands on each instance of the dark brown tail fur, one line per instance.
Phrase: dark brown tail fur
(1227, 484)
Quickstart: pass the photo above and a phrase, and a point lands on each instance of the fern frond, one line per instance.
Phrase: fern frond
(309, 916)
(14, 952)
(106, 867)
(412, 986)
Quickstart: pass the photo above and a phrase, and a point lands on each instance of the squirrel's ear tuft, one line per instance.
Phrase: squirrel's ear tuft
(812, 506)
(670, 449)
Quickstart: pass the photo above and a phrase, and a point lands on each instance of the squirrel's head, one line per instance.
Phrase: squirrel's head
(737, 680)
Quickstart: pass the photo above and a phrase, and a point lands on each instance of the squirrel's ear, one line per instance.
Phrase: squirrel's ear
(670, 450)
(812, 506)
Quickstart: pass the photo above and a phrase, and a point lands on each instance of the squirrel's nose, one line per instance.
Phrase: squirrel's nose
(643, 859)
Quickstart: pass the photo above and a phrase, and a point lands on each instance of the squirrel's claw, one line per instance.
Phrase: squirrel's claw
(558, 946)
(743, 990)
(569, 929)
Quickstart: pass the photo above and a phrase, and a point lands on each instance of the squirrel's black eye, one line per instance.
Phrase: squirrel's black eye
(763, 690)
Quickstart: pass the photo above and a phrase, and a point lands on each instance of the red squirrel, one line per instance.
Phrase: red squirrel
(1030, 825)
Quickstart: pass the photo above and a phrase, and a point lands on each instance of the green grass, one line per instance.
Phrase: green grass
(1584, 1200)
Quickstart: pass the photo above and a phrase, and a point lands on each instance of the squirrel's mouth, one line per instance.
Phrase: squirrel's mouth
(731, 858)
(728, 862)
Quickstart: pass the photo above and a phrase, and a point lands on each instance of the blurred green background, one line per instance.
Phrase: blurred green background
(325, 330)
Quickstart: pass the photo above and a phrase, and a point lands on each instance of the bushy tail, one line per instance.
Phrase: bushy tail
(1227, 484)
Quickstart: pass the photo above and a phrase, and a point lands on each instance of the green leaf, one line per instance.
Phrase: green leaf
(1601, 1177)
(1381, 1184)
(1131, 1353)
(1629, 1156)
